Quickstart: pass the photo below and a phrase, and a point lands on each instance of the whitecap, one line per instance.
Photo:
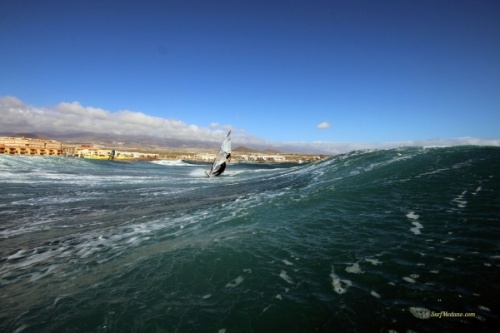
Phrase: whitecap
(460, 201)
(340, 286)
(355, 269)
(235, 282)
(484, 308)
(375, 294)
(374, 261)
(415, 230)
(286, 262)
(420, 313)
(409, 279)
(18, 254)
(417, 225)
(285, 277)
(412, 215)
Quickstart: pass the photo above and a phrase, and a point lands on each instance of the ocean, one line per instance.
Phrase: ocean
(399, 240)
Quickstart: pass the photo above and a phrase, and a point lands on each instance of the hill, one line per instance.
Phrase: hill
(246, 150)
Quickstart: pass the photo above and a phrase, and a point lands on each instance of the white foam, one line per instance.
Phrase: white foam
(460, 200)
(412, 215)
(172, 163)
(416, 229)
(36, 258)
(437, 171)
(286, 262)
(374, 294)
(285, 277)
(266, 308)
(235, 282)
(340, 286)
(21, 328)
(198, 173)
(374, 261)
(18, 254)
(420, 313)
(355, 269)
(38, 275)
(409, 279)
(417, 225)
(484, 308)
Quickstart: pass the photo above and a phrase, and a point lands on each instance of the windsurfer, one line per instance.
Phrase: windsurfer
(222, 158)
(222, 167)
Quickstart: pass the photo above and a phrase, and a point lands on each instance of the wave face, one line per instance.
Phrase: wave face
(366, 241)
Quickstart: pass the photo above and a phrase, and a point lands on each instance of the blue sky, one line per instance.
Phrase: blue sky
(374, 73)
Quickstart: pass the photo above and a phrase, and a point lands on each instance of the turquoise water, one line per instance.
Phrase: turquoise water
(369, 241)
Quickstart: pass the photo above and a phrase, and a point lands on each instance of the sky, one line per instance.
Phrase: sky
(333, 75)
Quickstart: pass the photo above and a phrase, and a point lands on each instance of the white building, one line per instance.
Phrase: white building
(204, 157)
(262, 158)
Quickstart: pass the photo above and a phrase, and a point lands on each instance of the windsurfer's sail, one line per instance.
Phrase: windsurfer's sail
(223, 156)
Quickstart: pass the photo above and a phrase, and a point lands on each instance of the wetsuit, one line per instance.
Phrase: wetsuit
(220, 170)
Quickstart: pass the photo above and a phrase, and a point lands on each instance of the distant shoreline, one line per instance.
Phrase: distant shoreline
(295, 158)
(25, 146)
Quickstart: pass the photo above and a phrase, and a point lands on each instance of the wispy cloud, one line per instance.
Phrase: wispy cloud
(323, 125)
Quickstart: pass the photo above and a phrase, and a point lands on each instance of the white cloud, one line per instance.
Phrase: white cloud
(70, 118)
(67, 118)
(323, 125)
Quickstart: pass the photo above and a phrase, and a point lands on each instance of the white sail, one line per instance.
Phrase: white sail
(221, 158)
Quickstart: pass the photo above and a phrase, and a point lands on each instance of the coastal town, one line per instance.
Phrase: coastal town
(26, 146)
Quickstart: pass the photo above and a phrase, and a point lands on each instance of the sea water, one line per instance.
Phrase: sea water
(401, 240)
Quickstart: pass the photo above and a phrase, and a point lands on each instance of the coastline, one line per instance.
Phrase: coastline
(23, 146)
(176, 156)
